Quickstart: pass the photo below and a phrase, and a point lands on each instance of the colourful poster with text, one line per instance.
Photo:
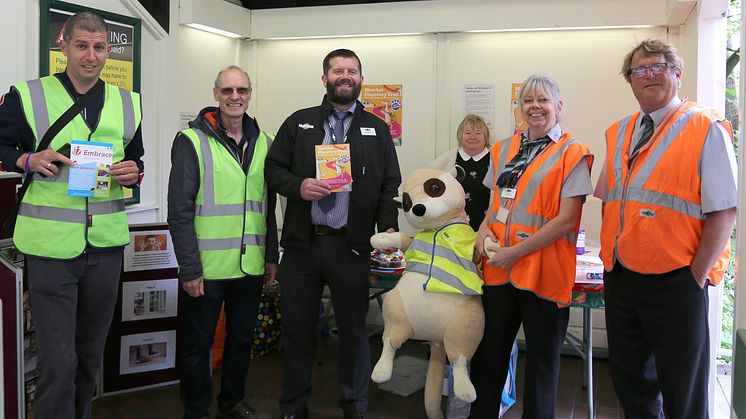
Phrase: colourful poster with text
(385, 102)
(519, 125)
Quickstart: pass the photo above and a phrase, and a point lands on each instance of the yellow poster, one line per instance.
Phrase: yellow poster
(519, 125)
(385, 102)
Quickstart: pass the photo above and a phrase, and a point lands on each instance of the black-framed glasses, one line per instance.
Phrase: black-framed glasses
(657, 69)
(227, 91)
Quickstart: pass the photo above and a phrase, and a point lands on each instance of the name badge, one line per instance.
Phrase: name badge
(502, 215)
(508, 193)
(367, 131)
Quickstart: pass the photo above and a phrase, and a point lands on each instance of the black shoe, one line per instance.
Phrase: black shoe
(241, 410)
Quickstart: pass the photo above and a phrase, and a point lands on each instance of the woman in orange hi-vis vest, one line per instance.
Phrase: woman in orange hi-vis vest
(540, 179)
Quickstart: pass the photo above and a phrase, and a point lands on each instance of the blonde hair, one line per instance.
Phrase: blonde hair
(477, 122)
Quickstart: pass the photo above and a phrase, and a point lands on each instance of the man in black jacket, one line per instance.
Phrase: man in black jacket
(326, 236)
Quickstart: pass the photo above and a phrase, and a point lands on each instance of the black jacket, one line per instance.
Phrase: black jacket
(184, 183)
(375, 174)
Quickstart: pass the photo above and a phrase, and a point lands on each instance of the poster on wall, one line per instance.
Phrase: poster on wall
(519, 125)
(147, 352)
(385, 102)
(479, 99)
(143, 300)
(122, 68)
(149, 250)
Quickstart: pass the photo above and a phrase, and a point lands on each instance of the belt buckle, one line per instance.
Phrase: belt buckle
(320, 230)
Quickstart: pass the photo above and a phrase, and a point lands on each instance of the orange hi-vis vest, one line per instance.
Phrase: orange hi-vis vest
(653, 220)
(548, 272)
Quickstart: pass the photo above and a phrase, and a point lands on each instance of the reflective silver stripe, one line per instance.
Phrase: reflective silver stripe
(502, 157)
(667, 201)
(442, 252)
(440, 275)
(105, 207)
(519, 215)
(614, 194)
(39, 105)
(423, 268)
(254, 239)
(618, 161)
(231, 243)
(208, 184)
(218, 210)
(268, 138)
(421, 246)
(62, 176)
(660, 148)
(128, 113)
(52, 213)
(255, 206)
(219, 244)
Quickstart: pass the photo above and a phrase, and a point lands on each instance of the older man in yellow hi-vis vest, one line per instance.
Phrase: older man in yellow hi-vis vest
(669, 192)
(221, 218)
(73, 244)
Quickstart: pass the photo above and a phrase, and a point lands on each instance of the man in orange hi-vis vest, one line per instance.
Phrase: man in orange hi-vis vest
(669, 190)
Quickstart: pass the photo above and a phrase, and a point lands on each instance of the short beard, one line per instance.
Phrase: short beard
(343, 99)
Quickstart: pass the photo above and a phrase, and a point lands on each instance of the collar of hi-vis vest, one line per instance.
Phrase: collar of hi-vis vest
(210, 209)
(529, 187)
(642, 168)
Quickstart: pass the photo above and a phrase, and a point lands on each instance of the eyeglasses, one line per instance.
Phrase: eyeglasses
(227, 91)
(657, 69)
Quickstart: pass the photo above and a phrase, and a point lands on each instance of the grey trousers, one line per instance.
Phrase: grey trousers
(72, 303)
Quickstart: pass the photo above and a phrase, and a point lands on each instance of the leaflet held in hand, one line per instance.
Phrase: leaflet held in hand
(333, 166)
(89, 176)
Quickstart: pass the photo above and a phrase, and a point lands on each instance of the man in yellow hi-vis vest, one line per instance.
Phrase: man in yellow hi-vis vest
(73, 244)
(221, 218)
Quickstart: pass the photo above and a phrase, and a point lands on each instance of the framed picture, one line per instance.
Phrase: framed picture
(122, 68)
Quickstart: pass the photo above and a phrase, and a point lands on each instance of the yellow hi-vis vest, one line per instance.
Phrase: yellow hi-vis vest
(51, 223)
(230, 209)
(445, 256)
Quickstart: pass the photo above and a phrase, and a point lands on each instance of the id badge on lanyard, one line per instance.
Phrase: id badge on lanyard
(508, 194)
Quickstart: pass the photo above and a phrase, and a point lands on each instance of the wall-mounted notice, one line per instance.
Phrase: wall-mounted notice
(149, 250)
(147, 352)
(385, 102)
(149, 299)
(479, 99)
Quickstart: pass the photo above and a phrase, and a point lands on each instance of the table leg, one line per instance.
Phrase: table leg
(588, 346)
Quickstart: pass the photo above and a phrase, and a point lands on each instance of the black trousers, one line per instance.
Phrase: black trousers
(658, 343)
(544, 325)
(241, 297)
(72, 303)
(302, 275)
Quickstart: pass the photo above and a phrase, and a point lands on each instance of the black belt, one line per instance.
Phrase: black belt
(322, 230)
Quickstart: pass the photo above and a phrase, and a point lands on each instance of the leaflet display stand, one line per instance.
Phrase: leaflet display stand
(144, 337)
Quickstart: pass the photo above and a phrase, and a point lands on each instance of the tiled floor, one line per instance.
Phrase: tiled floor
(264, 388)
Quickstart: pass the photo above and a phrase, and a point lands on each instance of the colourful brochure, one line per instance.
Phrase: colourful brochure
(333, 166)
(89, 175)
